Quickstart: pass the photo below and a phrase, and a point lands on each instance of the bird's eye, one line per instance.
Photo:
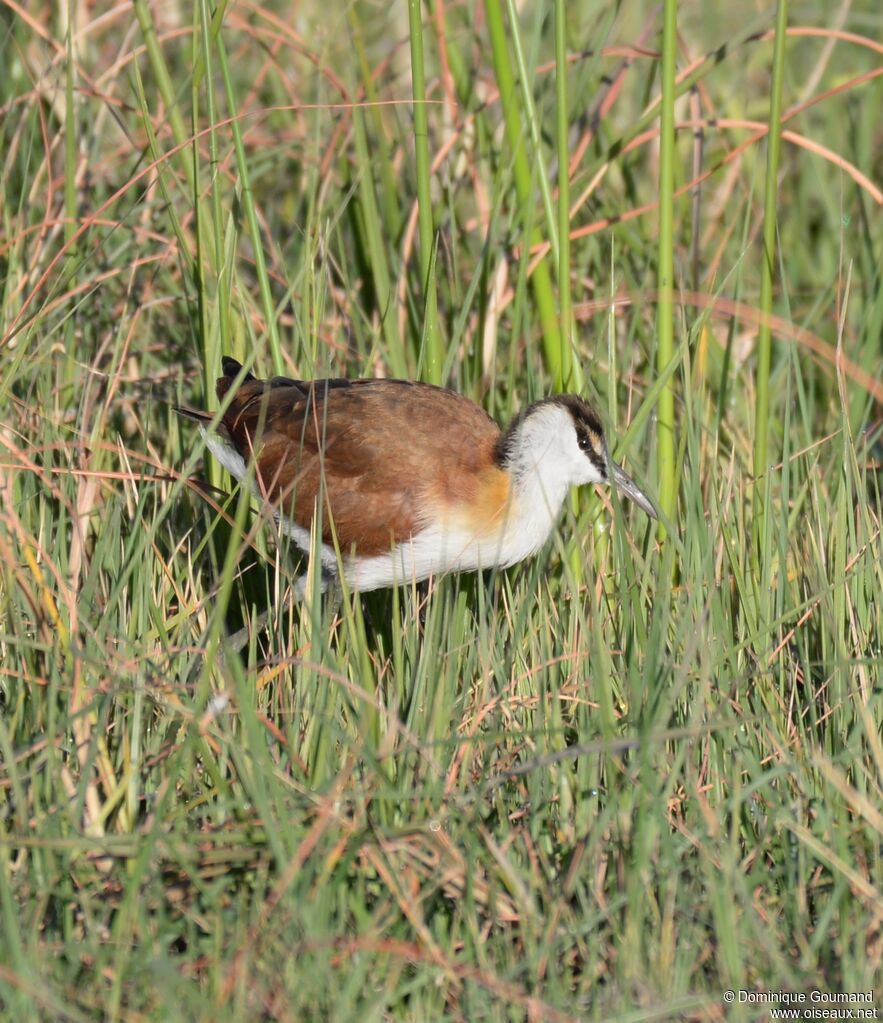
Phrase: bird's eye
(584, 442)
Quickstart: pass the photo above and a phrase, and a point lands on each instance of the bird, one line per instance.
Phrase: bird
(411, 480)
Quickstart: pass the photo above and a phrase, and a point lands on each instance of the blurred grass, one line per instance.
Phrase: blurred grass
(545, 794)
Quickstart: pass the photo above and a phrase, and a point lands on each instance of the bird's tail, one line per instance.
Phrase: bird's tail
(189, 413)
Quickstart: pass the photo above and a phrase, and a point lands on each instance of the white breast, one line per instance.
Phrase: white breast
(445, 548)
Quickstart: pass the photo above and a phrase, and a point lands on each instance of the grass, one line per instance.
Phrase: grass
(612, 783)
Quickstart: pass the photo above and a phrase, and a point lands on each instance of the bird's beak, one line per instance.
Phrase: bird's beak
(631, 489)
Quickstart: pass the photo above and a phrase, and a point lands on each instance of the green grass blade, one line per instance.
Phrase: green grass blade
(665, 430)
(558, 356)
(767, 272)
(432, 356)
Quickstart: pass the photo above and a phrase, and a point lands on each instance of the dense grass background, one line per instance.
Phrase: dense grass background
(609, 784)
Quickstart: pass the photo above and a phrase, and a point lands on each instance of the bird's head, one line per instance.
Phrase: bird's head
(561, 439)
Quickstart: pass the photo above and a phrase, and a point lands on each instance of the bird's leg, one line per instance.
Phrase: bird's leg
(238, 639)
(366, 615)
(422, 593)
(326, 582)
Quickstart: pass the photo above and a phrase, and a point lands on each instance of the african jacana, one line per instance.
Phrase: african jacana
(412, 480)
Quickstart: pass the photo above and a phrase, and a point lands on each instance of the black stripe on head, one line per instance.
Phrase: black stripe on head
(589, 432)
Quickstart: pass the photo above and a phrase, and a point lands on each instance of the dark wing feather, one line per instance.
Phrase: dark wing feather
(377, 451)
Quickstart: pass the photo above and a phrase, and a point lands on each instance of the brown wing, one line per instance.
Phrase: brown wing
(389, 452)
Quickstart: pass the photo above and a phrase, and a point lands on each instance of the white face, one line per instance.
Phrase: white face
(554, 450)
(585, 467)
(551, 443)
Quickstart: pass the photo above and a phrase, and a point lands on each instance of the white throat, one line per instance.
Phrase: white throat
(539, 486)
